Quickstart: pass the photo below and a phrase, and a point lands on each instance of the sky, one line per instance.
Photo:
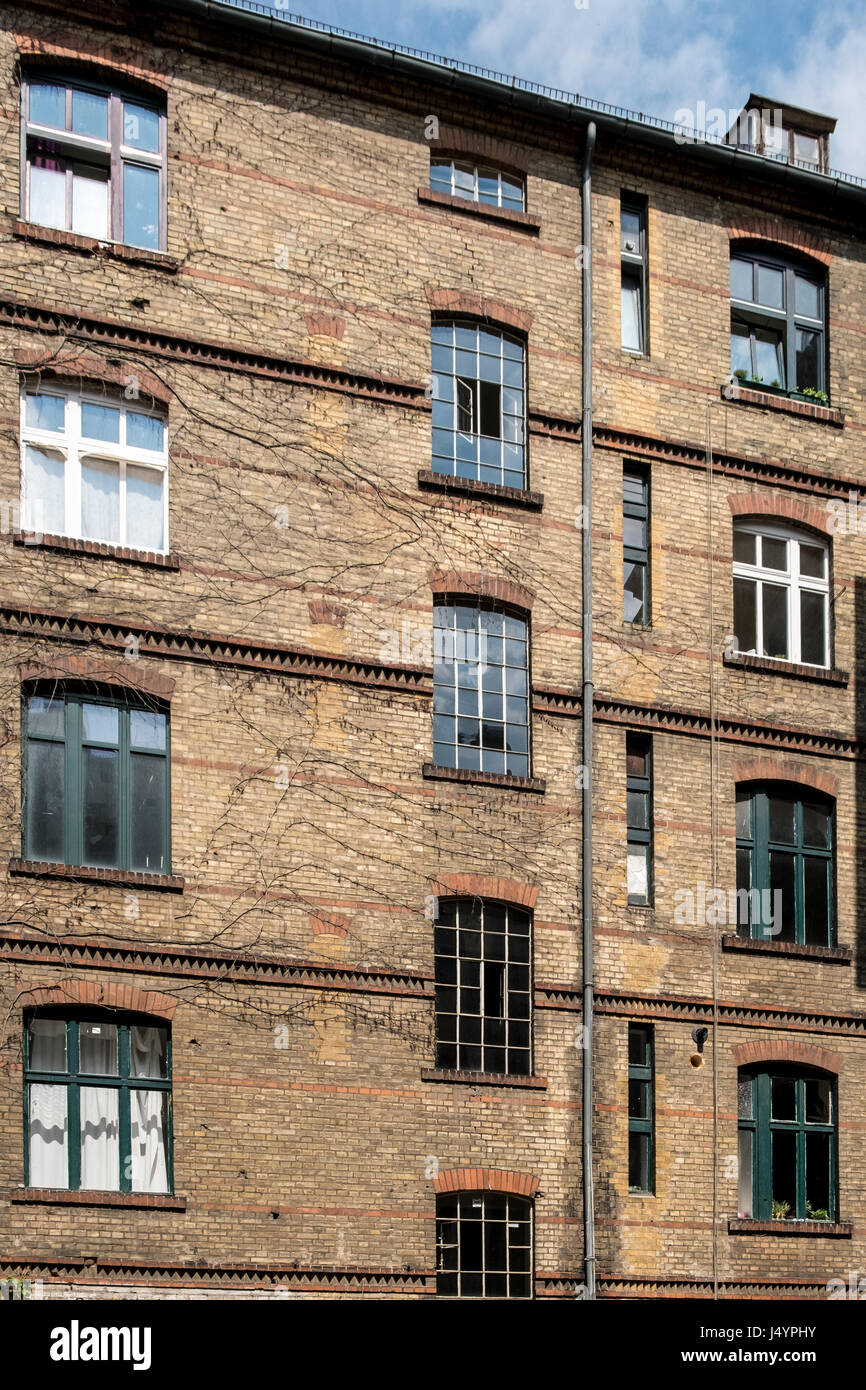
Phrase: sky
(661, 57)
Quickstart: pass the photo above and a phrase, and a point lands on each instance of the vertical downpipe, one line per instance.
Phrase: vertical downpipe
(587, 702)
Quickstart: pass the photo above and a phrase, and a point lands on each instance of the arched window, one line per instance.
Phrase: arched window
(483, 1245)
(483, 987)
(478, 183)
(479, 404)
(778, 322)
(97, 1101)
(781, 593)
(480, 689)
(787, 1143)
(785, 879)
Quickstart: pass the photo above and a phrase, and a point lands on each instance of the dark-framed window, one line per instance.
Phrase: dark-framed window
(778, 322)
(641, 1108)
(639, 818)
(478, 183)
(480, 689)
(479, 403)
(483, 964)
(633, 255)
(636, 543)
(94, 160)
(787, 1144)
(785, 865)
(97, 1102)
(483, 1245)
(96, 781)
(781, 593)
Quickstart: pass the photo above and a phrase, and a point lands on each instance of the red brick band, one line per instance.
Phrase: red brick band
(485, 1180)
(760, 769)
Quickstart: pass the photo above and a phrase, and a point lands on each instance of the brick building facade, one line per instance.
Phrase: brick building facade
(222, 231)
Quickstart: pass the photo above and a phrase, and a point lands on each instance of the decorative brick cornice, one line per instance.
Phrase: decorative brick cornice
(467, 885)
(485, 1180)
(636, 1286)
(92, 994)
(781, 509)
(70, 363)
(789, 1050)
(88, 1274)
(477, 306)
(131, 675)
(454, 140)
(756, 227)
(754, 768)
(477, 584)
(684, 1010)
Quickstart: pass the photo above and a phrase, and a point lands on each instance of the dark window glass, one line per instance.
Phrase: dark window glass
(483, 1246)
(778, 327)
(641, 1177)
(785, 855)
(635, 538)
(483, 987)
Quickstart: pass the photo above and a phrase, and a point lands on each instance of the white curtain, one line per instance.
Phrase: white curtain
(98, 1047)
(49, 1138)
(631, 324)
(147, 1051)
(44, 492)
(100, 1149)
(90, 206)
(144, 509)
(100, 500)
(48, 197)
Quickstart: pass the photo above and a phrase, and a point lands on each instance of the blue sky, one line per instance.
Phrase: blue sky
(656, 56)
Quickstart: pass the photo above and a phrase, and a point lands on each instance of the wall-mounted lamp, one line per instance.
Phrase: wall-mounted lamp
(699, 1037)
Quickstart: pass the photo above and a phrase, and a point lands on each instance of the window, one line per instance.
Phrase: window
(483, 989)
(638, 756)
(479, 421)
(98, 1103)
(635, 543)
(483, 1246)
(641, 1155)
(781, 594)
(777, 323)
(96, 785)
(95, 162)
(480, 690)
(94, 468)
(633, 253)
(460, 178)
(785, 865)
(787, 1144)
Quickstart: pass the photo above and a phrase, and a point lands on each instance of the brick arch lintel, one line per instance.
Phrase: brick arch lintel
(478, 306)
(506, 890)
(782, 509)
(745, 1054)
(773, 229)
(113, 61)
(759, 769)
(478, 584)
(504, 154)
(96, 994)
(485, 1180)
(91, 370)
(102, 670)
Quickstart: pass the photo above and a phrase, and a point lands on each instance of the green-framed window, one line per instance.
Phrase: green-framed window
(787, 1144)
(641, 1108)
(483, 1245)
(639, 818)
(785, 879)
(96, 781)
(97, 1102)
(636, 544)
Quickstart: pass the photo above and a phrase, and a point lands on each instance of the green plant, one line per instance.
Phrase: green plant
(780, 1210)
(775, 382)
(741, 374)
(816, 1213)
(815, 395)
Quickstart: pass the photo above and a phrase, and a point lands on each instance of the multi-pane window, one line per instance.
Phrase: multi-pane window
(483, 1245)
(787, 1144)
(479, 404)
(95, 162)
(96, 784)
(483, 987)
(639, 817)
(633, 255)
(478, 183)
(480, 690)
(97, 1103)
(635, 543)
(785, 866)
(94, 468)
(781, 594)
(777, 323)
(641, 1159)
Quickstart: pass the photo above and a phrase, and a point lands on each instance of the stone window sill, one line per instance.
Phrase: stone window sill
(767, 400)
(483, 779)
(522, 220)
(746, 1226)
(113, 250)
(55, 1196)
(824, 675)
(102, 550)
(494, 492)
(836, 955)
(85, 873)
(484, 1078)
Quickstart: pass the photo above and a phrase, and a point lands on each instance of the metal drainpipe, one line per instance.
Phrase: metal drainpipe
(587, 712)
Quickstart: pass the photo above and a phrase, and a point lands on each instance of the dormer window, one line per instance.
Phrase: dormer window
(784, 132)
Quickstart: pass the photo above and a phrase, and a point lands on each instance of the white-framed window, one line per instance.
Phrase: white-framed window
(479, 183)
(94, 468)
(781, 593)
